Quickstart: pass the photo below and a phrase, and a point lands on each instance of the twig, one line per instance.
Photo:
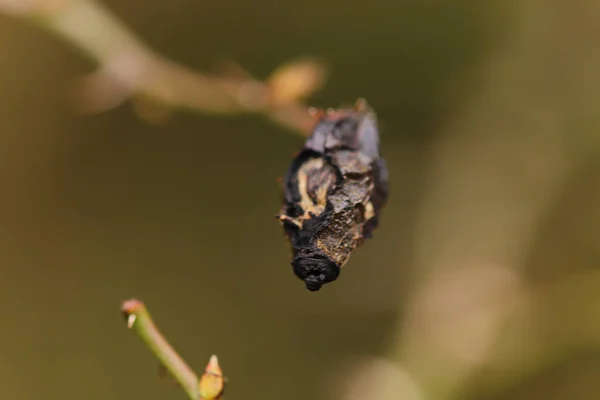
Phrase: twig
(211, 383)
(128, 68)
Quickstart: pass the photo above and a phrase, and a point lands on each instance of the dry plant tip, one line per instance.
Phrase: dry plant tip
(296, 80)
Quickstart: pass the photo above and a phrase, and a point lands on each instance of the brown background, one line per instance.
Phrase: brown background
(490, 125)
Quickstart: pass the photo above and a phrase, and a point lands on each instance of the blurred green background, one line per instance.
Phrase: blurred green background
(481, 283)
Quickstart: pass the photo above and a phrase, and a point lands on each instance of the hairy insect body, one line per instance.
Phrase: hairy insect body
(333, 194)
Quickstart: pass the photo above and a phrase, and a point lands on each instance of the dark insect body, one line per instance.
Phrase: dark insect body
(334, 191)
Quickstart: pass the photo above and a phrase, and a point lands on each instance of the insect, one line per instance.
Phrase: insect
(333, 193)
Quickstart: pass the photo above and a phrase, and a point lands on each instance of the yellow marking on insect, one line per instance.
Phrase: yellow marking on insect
(306, 203)
(284, 217)
(369, 211)
(305, 200)
(322, 191)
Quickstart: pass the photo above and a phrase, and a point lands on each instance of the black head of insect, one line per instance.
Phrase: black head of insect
(334, 191)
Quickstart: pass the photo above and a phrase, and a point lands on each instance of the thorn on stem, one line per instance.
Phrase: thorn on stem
(131, 320)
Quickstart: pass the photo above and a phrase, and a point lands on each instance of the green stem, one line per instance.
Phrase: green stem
(138, 318)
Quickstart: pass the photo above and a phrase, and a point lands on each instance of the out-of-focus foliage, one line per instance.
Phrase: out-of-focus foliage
(481, 283)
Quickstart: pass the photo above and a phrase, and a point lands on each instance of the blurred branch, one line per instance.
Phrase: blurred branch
(211, 383)
(551, 323)
(128, 68)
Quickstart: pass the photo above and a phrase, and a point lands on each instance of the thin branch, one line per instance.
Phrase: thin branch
(211, 383)
(129, 68)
